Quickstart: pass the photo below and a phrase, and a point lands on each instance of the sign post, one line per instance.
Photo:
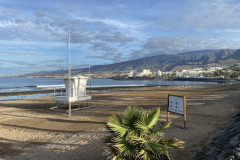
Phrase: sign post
(177, 105)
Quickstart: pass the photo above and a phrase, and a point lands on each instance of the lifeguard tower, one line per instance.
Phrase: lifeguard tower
(75, 90)
(75, 93)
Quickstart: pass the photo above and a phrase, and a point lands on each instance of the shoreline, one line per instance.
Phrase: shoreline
(96, 89)
(218, 80)
(208, 82)
(63, 90)
(200, 79)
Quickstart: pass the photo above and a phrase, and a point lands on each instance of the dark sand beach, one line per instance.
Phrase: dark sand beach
(30, 131)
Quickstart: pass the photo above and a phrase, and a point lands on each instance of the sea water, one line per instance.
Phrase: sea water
(29, 84)
(11, 85)
(38, 84)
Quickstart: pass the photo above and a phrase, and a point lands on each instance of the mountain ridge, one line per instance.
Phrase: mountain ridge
(162, 62)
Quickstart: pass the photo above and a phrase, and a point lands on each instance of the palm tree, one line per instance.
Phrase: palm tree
(135, 137)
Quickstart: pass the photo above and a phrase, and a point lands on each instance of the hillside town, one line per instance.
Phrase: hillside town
(211, 71)
(227, 72)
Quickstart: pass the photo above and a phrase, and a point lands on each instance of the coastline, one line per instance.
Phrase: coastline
(98, 89)
(201, 79)
(218, 80)
(36, 87)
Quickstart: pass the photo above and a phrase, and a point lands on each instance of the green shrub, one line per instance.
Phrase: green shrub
(135, 138)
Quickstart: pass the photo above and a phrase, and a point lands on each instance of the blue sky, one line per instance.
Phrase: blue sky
(33, 33)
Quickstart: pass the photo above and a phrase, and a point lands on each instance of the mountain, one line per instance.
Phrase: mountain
(164, 62)
(172, 62)
(236, 55)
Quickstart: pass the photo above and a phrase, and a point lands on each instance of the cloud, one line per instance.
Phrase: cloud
(173, 45)
(21, 67)
(115, 23)
(102, 46)
(201, 16)
(20, 63)
(78, 38)
(18, 53)
(85, 32)
(5, 12)
(113, 37)
(13, 30)
(112, 31)
(58, 61)
(106, 52)
(113, 56)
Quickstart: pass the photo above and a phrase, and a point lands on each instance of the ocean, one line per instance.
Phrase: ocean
(39, 84)
(9, 85)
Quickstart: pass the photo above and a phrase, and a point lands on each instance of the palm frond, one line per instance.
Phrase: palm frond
(148, 120)
(126, 148)
(172, 143)
(131, 116)
(158, 156)
(165, 125)
(152, 117)
(110, 140)
(141, 153)
(153, 135)
(115, 123)
(154, 147)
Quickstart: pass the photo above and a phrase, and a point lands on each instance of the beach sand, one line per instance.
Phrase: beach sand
(28, 130)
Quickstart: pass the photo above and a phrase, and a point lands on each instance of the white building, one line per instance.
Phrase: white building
(158, 73)
(189, 73)
(213, 69)
(145, 72)
(178, 74)
(132, 74)
(167, 73)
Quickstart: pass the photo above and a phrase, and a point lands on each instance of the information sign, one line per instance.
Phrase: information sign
(177, 104)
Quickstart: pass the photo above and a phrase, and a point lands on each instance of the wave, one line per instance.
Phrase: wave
(119, 85)
(14, 90)
(60, 86)
(51, 86)
(31, 88)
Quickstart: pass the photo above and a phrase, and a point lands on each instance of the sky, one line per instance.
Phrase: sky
(34, 34)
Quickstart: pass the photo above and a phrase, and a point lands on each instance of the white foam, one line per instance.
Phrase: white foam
(14, 90)
(51, 86)
(108, 86)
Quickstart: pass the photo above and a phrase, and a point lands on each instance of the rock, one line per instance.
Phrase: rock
(225, 145)
(237, 154)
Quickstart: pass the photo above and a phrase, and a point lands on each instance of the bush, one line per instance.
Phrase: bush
(135, 138)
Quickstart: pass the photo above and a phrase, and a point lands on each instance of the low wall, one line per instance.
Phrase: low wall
(225, 145)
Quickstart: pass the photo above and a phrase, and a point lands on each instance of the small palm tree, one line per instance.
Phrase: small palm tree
(135, 138)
